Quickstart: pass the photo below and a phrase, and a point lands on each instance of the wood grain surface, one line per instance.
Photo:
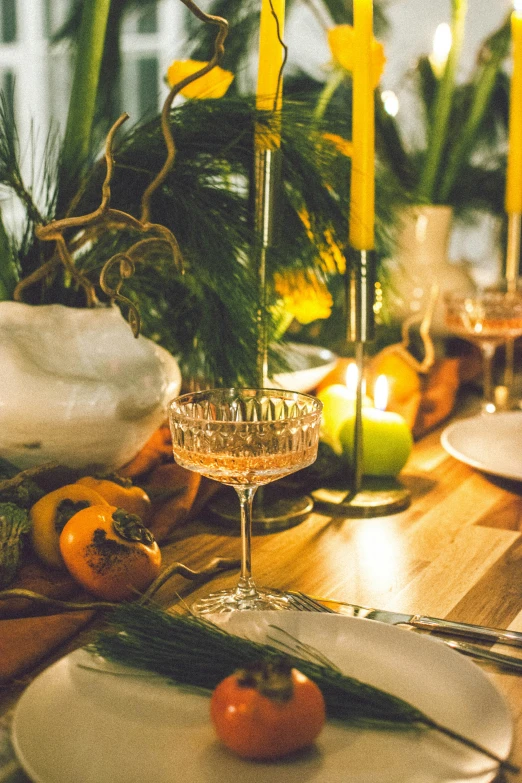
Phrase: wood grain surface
(456, 552)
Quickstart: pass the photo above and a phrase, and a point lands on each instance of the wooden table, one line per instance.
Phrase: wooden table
(456, 552)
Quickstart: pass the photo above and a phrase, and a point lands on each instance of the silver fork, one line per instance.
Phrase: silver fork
(303, 603)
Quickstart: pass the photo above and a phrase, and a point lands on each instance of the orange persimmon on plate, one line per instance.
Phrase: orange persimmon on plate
(110, 552)
(267, 710)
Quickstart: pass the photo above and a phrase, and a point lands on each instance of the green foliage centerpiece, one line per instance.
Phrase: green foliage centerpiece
(204, 313)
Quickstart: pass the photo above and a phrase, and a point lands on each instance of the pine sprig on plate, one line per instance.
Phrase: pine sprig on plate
(194, 652)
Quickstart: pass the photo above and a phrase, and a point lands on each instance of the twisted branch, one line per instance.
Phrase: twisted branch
(53, 232)
(214, 567)
(424, 366)
(41, 273)
(123, 262)
(219, 50)
(126, 269)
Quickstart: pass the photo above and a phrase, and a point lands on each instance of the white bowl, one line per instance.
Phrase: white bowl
(308, 365)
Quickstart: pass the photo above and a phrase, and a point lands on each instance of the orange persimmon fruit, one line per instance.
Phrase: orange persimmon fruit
(122, 495)
(110, 552)
(51, 513)
(267, 711)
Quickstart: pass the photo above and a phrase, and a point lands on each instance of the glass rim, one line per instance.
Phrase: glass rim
(223, 390)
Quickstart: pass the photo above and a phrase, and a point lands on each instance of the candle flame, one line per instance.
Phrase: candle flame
(351, 379)
(442, 41)
(380, 393)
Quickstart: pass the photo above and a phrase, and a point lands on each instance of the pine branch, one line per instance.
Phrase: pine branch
(210, 312)
(8, 272)
(191, 651)
(10, 171)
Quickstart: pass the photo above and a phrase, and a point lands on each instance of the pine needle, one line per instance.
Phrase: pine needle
(194, 652)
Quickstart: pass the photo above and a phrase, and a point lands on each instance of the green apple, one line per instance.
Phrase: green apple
(387, 442)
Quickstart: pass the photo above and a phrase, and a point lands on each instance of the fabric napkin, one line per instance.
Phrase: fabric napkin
(28, 632)
(24, 642)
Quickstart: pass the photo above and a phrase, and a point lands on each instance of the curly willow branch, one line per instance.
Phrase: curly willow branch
(123, 262)
(53, 232)
(219, 50)
(285, 55)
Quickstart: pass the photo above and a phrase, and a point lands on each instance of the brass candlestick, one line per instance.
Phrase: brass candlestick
(360, 329)
(267, 181)
(274, 509)
(368, 497)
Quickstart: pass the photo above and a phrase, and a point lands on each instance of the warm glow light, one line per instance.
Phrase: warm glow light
(442, 41)
(390, 102)
(351, 379)
(380, 393)
(378, 554)
(517, 5)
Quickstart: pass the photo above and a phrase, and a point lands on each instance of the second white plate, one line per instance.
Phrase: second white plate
(491, 442)
(307, 366)
(75, 724)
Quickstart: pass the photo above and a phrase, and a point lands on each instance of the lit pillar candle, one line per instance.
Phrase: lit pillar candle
(362, 189)
(514, 168)
(338, 405)
(387, 440)
(269, 94)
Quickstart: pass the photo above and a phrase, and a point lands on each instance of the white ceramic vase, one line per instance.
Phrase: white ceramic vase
(420, 262)
(77, 388)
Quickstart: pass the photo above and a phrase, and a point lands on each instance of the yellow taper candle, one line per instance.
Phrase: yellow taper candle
(514, 168)
(269, 95)
(362, 189)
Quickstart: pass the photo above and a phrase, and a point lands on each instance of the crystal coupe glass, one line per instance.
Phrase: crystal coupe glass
(244, 438)
(488, 318)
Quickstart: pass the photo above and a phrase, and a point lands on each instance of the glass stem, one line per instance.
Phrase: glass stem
(488, 352)
(510, 364)
(246, 587)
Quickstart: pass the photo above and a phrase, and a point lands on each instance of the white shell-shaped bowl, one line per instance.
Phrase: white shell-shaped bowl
(77, 388)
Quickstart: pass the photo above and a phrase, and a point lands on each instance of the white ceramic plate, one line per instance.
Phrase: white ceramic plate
(73, 724)
(308, 365)
(490, 442)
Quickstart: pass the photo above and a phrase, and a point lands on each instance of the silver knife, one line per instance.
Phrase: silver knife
(506, 661)
(482, 632)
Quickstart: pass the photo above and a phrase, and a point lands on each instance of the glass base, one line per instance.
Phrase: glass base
(261, 599)
(379, 496)
(274, 508)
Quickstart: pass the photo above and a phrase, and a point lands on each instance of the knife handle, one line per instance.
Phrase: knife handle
(513, 638)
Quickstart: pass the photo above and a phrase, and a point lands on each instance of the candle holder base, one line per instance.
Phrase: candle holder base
(377, 497)
(274, 509)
